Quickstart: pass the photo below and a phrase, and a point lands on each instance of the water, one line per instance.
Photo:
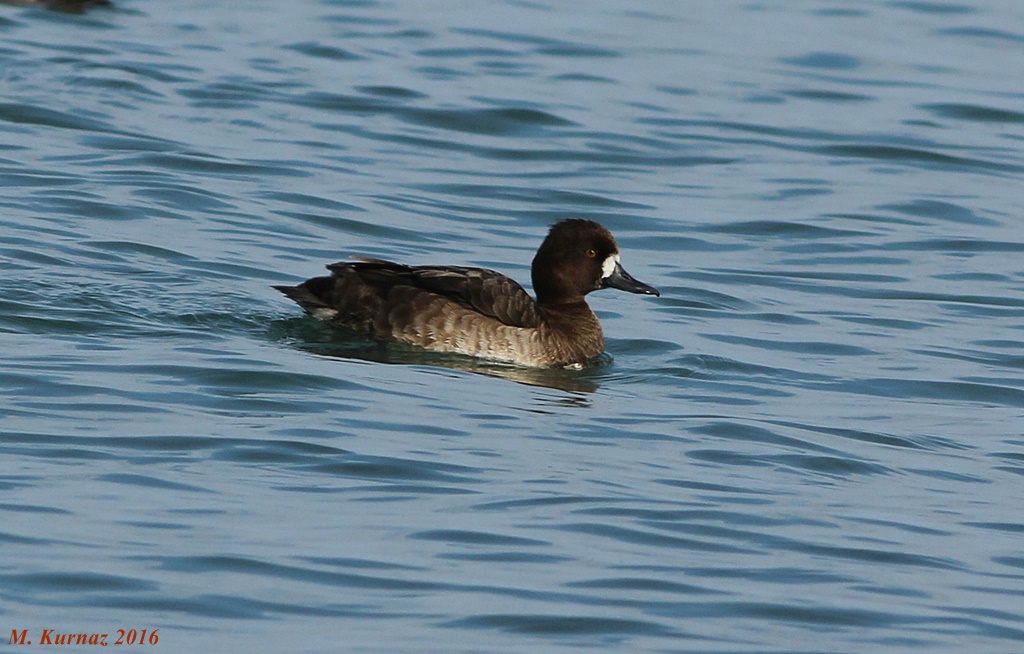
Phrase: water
(810, 443)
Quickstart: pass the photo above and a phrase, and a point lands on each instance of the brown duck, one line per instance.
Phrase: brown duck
(480, 312)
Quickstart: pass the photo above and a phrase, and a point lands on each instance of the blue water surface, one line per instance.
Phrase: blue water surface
(811, 442)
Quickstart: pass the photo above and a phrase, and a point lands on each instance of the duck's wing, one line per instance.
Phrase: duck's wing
(485, 291)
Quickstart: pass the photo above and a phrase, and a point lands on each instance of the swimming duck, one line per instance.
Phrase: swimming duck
(480, 312)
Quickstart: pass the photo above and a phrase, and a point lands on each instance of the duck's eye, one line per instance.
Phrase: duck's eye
(591, 253)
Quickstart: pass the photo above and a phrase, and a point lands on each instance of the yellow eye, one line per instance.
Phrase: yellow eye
(591, 253)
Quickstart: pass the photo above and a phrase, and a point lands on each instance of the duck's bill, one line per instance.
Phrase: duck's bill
(623, 281)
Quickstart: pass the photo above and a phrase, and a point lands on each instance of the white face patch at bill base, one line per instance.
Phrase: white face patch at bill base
(608, 267)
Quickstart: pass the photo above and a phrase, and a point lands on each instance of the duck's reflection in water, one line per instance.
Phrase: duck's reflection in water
(572, 380)
(317, 338)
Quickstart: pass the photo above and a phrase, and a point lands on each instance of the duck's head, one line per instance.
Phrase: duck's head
(577, 257)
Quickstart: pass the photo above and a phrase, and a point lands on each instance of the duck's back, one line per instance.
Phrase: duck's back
(444, 308)
(486, 292)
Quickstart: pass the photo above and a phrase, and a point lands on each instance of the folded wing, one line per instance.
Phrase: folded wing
(484, 291)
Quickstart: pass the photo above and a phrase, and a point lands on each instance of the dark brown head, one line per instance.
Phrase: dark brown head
(577, 257)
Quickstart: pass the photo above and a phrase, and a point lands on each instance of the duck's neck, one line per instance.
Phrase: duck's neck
(573, 328)
(574, 310)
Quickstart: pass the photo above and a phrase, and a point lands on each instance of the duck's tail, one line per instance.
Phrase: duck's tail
(307, 298)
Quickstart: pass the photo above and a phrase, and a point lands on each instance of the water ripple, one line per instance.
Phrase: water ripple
(811, 441)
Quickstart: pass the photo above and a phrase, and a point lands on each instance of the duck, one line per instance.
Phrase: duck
(479, 312)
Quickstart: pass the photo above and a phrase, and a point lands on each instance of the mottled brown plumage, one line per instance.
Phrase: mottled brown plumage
(480, 312)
